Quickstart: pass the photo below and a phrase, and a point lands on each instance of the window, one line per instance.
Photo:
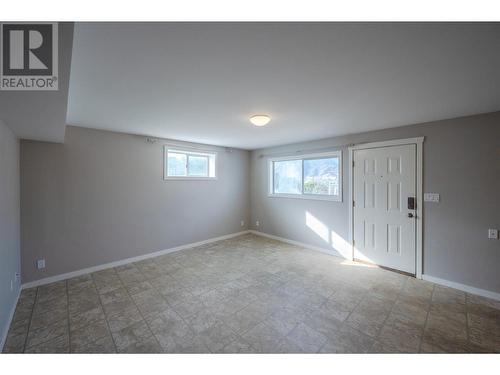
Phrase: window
(315, 176)
(187, 164)
(288, 177)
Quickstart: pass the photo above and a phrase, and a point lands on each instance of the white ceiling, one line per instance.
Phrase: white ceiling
(200, 82)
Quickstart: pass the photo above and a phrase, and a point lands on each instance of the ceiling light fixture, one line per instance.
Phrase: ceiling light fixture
(260, 120)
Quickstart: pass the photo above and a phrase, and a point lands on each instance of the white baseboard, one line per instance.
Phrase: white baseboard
(3, 339)
(84, 271)
(463, 287)
(297, 243)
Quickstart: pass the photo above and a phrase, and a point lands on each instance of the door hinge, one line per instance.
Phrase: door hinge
(353, 204)
(353, 163)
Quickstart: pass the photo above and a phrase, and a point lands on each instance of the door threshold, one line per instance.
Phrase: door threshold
(384, 267)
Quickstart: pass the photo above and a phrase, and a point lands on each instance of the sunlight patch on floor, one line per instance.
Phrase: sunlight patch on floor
(348, 262)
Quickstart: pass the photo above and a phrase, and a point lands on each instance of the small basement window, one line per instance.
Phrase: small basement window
(184, 164)
(315, 176)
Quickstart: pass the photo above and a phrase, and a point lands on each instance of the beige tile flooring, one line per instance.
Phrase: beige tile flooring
(251, 295)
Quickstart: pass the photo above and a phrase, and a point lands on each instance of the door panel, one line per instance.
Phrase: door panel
(384, 178)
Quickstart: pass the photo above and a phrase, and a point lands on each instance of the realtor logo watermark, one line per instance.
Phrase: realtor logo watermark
(29, 56)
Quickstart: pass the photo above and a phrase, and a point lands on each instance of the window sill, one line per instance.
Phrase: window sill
(190, 178)
(308, 197)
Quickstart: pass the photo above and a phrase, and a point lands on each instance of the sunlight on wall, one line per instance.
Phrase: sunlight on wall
(330, 237)
(336, 241)
(341, 245)
(317, 227)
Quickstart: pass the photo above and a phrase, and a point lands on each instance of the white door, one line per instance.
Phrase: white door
(384, 217)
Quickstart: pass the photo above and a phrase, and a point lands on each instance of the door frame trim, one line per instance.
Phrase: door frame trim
(418, 142)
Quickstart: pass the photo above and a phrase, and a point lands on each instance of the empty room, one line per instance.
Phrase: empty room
(249, 187)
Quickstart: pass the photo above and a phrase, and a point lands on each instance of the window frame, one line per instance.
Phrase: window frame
(302, 158)
(190, 152)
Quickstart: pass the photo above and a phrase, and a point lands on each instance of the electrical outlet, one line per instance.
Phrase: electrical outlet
(257, 223)
(40, 264)
(493, 234)
(242, 223)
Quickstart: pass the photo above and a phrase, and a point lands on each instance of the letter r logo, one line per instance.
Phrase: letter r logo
(29, 56)
(27, 49)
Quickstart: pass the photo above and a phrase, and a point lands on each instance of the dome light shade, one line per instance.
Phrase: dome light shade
(260, 120)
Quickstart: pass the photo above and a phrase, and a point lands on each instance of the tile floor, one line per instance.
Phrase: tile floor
(251, 295)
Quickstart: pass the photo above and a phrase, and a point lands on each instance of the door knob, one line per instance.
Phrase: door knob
(410, 215)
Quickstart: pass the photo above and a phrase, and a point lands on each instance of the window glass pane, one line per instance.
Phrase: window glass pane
(198, 166)
(288, 177)
(321, 176)
(176, 164)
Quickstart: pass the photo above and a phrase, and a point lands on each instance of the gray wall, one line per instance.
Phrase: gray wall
(9, 224)
(461, 162)
(100, 197)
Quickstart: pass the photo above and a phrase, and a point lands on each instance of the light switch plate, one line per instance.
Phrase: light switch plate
(40, 264)
(493, 234)
(431, 197)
